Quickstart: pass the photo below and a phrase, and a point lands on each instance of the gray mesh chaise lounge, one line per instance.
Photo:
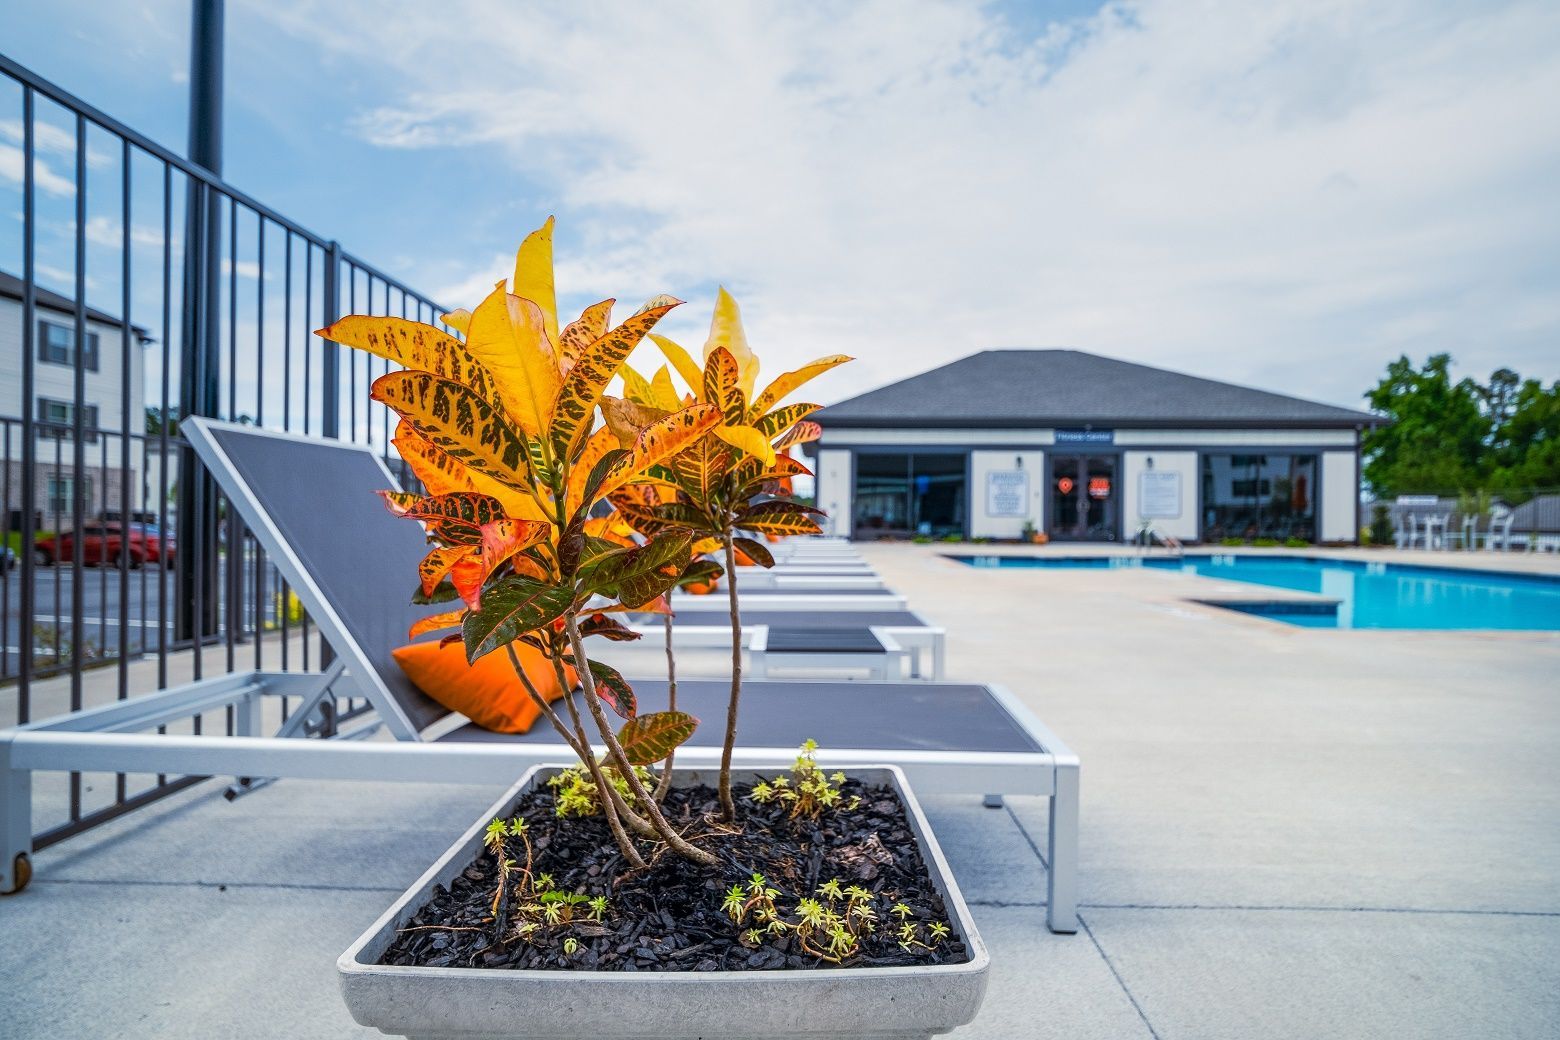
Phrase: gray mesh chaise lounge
(310, 504)
(703, 621)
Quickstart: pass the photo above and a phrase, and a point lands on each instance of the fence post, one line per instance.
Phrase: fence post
(200, 352)
(330, 357)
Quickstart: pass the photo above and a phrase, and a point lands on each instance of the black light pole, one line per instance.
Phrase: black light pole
(200, 352)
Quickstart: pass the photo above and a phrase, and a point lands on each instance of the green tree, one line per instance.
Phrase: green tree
(1500, 437)
(1436, 439)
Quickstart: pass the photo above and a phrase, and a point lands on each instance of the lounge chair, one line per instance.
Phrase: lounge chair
(707, 624)
(833, 649)
(948, 737)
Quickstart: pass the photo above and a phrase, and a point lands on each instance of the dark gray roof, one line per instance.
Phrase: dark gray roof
(1541, 514)
(11, 286)
(1067, 388)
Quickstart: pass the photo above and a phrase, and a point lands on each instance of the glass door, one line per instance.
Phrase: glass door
(1084, 498)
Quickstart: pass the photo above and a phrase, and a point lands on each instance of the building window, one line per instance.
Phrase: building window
(897, 495)
(1259, 496)
(57, 420)
(61, 494)
(57, 345)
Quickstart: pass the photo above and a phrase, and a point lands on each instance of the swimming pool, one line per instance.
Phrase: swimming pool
(1367, 594)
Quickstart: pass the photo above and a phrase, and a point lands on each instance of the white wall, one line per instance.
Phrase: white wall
(834, 490)
(1340, 498)
(983, 525)
(1135, 463)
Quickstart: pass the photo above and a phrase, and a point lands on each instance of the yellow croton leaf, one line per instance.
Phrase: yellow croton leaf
(659, 441)
(749, 440)
(726, 331)
(441, 474)
(436, 622)
(501, 539)
(458, 319)
(776, 392)
(636, 388)
(681, 360)
(534, 277)
(663, 393)
(599, 443)
(412, 345)
(453, 418)
(611, 528)
(626, 418)
(582, 332)
(439, 562)
(597, 364)
(507, 335)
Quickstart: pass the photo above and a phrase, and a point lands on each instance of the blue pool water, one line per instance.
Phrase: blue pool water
(1368, 594)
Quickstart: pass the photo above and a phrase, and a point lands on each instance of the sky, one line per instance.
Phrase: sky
(1287, 194)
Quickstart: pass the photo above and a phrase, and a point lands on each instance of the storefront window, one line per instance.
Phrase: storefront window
(901, 495)
(1259, 496)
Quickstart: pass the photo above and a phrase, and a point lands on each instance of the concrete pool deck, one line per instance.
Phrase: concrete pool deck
(1286, 832)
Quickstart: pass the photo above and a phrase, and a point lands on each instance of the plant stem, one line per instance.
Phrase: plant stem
(582, 748)
(667, 833)
(613, 806)
(728, 807)
(671, 703)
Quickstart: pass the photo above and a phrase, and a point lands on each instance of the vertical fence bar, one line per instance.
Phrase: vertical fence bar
(78, 432)
(126, 523)
(29, 570)
(330, 353)
(164, 418)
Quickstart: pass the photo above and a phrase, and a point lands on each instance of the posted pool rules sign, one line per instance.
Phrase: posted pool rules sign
(1159, 495)
(1007, 493)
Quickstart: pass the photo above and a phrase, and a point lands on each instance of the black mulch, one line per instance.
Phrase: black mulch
(669, 918)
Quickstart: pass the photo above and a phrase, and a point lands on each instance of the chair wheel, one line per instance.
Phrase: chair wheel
(22, 873)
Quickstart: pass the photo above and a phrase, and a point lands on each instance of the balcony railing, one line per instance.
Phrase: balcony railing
(202, 301)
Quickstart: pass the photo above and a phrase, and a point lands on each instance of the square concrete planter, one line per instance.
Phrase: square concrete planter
(503, 1004)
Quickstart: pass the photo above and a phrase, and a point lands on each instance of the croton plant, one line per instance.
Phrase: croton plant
(545, 524)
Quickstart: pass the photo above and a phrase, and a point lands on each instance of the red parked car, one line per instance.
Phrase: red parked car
(103, 542)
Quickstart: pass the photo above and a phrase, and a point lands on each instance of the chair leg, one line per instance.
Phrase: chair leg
(758, 665)
(1062, 843)
(15, 824)
(992, 801)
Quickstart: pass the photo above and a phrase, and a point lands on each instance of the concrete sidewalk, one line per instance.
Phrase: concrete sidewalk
(1287, 832)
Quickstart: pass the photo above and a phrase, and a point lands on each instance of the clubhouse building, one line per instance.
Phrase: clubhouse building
(1086, 448)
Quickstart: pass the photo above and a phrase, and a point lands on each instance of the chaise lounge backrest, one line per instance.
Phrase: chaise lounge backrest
(311, 505)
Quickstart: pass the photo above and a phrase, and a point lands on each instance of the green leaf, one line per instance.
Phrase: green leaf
(700, 571)
(650, 738)
(612, 688)
(665, 551)
(756, 551)
(441, 594)
(608, 628)
(683, 514)
(511, 607)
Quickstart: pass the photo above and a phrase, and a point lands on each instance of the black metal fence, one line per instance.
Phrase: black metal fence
(136, 288)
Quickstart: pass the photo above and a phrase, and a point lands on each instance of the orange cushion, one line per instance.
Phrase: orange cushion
(488, 692)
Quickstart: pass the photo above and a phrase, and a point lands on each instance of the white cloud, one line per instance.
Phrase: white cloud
(13, 167)
(105, 232)
(1287, 194)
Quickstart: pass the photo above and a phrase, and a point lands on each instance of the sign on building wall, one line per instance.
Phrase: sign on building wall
(1085, 436)
(1159, 495)
(1007, 493)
